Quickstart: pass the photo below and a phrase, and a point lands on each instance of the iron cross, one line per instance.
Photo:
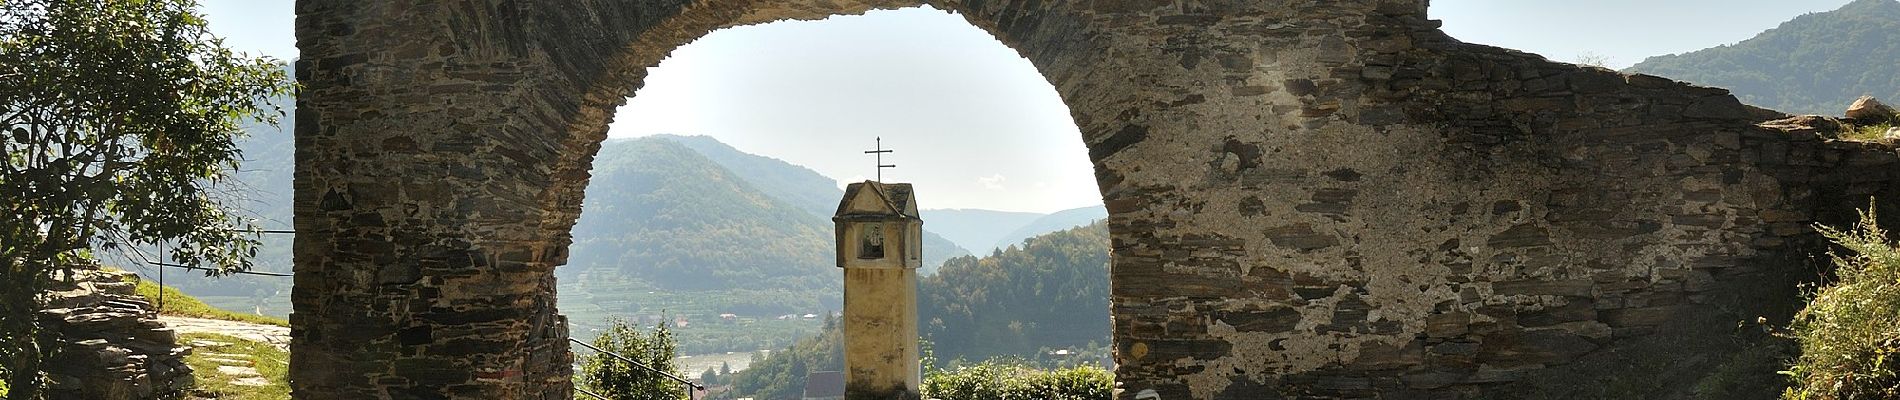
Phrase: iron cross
(880, 158)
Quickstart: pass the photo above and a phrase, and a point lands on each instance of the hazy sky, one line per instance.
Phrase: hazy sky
(973, 124)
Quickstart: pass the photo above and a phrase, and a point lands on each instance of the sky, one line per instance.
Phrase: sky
(973, 125)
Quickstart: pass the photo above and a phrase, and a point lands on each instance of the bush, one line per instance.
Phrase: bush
(1850, 331)
(994, 379)
(619, 380)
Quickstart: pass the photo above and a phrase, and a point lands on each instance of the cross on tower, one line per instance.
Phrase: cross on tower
(879, 151)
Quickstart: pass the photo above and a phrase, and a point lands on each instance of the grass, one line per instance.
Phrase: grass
(1749, 373)
(180, 304)
(1869, 133)
(270, 362)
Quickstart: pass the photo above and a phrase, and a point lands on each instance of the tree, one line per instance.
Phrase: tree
(618, 379)
(117, 122)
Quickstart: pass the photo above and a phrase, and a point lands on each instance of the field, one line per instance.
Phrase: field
(738, 320)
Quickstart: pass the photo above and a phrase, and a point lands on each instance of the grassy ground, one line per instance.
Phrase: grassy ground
(270, 362)
(1870, 133)
(179, 304)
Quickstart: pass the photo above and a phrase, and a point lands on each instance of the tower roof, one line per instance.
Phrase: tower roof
(877, 200)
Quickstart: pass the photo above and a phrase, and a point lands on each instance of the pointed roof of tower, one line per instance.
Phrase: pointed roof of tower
(879, 200)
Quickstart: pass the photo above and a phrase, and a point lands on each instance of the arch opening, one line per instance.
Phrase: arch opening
(970, 134)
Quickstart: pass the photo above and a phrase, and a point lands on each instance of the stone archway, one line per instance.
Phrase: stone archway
(1327, 199)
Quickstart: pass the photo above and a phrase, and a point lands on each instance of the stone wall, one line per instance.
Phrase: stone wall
(1307, 199)
(112, 346)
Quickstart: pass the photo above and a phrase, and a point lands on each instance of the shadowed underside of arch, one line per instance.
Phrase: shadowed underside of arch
(1307, 199)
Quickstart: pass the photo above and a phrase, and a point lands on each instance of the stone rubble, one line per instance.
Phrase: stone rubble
(113, 346)
(1825, 127)
(1868, 110)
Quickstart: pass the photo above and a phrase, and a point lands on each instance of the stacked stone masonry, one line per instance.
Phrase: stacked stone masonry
(1308, 199)
(112, 345)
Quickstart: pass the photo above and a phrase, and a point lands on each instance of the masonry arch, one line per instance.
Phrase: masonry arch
(1323, 199)
(444, 151)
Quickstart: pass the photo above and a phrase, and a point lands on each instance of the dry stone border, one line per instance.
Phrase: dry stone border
(113, 346)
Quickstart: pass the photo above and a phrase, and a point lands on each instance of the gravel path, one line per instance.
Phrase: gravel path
(274, 335)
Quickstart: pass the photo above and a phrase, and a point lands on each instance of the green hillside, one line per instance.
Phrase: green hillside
(666, 234)
(1051, 291)
(802, 188)
(1814, 64)
(658, 212)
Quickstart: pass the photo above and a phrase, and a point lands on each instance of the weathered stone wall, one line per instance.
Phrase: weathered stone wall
(112, 345)
(1307, 199)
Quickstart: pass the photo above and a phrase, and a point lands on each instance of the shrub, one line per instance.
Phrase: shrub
(1850, 331)
(995, 379)
(1868, 133)
(620, 380)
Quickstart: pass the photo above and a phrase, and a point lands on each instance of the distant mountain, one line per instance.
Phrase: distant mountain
(1815, 64)
(801, 187)
(1060, 220)
(661, 213)
(798, 186)
(976, 230)
(667, 235)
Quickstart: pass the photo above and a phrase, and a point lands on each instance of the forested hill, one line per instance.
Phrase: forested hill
(798, 186)
(802, 188)
(661, 213)
(1051, 291)
(1814, 64)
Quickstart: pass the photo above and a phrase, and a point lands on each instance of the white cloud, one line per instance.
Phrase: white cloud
(992, 182)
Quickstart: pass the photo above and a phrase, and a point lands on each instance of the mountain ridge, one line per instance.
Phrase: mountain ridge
(1816, 63)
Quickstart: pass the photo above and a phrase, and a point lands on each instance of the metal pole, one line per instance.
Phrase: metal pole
(161, 278)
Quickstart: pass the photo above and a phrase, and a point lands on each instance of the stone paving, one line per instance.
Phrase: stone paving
(276, 336)
(240, 369)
